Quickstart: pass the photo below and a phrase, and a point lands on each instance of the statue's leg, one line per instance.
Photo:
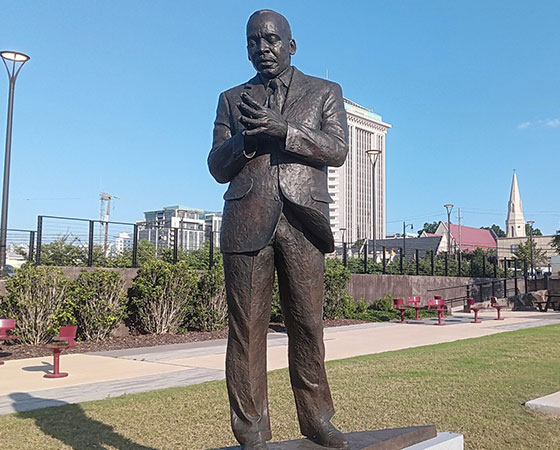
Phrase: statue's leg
(300, 268)
(249, 283)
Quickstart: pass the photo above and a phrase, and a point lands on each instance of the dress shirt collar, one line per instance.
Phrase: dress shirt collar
(285, 77)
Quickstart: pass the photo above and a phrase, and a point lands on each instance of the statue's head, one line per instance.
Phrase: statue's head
(269, 42)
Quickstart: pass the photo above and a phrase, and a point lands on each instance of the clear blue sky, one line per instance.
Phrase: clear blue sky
(120, 96)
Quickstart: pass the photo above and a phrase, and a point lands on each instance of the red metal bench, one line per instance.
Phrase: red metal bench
(5, 326)
(66, 339)
(439, 305)
(399, 305)
(472, 307)
(498, 308)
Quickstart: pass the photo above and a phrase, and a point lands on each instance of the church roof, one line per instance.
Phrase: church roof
(472, 238)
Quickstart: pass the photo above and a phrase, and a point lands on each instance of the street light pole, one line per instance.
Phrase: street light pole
(373, 157)
(344, 257)
(531, 222)
(404, 227)
(13, 61)
(449, 208)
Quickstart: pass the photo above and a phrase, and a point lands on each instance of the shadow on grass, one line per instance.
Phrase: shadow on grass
(69, 424)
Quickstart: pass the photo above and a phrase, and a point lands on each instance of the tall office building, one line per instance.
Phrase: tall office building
(213, 227)
(159, 227)
(351, 185)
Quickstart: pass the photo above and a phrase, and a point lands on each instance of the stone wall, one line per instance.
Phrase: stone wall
(72, 272)
(371, 287)
(127, 274)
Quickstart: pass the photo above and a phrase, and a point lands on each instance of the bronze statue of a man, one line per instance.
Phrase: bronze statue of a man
(274, 138)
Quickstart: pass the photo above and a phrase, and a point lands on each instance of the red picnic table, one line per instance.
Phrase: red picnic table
(414, 302)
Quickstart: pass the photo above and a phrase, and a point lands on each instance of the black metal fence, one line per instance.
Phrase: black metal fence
(427, 262)
(482, 290)
(20, 244)
(84, 242)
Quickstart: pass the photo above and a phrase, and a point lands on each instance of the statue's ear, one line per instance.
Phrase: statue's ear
(293, 47)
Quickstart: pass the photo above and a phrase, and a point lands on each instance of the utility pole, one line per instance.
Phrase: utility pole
(104, 216)
(449, 208)
(460, 239)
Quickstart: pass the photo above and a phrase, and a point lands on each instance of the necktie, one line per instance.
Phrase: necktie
(276, 97)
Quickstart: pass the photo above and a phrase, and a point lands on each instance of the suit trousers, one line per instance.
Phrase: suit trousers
(249, 283)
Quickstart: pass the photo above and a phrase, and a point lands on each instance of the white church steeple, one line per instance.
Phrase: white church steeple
(515, 222)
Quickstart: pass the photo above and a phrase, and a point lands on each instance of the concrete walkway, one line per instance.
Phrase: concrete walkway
(95, 376)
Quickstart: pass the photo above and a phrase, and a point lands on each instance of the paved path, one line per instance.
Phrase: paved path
(95, 376)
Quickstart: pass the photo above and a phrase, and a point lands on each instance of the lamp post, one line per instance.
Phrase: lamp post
(531, 222)
(374, 157)
(449, 208)
(344, 260)
(13, 61)
(404, 227)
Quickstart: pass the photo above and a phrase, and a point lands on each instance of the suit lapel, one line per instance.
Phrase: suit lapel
(255, 88)
(295, 91)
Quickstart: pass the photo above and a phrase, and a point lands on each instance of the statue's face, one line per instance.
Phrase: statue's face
(269, 44)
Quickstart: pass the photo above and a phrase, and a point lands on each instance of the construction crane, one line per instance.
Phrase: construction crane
(104, 215)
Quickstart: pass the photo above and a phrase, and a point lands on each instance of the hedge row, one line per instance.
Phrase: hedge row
(164, 298)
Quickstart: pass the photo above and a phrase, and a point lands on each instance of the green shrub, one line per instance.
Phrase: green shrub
(100, 303)
(337, 301)
(162, 296)
(383, 304)
(37, 298)
(209, 309)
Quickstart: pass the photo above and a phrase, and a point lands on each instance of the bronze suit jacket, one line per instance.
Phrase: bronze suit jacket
(292, 173)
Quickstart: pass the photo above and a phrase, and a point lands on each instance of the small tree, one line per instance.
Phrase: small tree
(556, 242)
(536, 231)
(37, 299)
(100, 303)
(162, 295)
(523, 252)
(496, 229)
(429, 227)
(65, 251)
(146, 253)
(200, 259)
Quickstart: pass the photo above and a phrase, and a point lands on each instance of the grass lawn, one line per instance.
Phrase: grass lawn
(476, 387)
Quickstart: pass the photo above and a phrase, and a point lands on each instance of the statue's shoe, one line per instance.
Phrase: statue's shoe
(329, 436)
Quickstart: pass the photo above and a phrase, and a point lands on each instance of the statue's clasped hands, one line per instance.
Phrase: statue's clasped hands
(261, 119)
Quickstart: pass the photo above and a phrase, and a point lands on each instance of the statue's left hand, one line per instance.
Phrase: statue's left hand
(260, 119)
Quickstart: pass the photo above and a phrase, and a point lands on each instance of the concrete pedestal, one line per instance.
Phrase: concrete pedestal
(443, 441)
(410, 438)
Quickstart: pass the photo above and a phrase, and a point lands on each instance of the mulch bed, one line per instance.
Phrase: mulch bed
(20, 351)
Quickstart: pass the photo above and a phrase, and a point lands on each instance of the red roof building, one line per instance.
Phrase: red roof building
(468, 237)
